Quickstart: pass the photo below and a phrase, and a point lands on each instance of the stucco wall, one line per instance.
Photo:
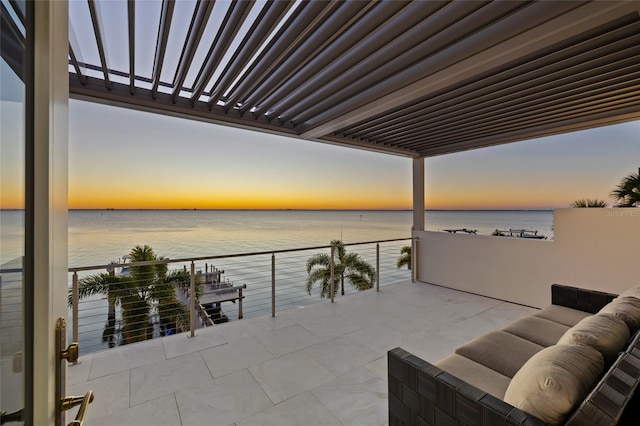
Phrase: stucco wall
(592, 248)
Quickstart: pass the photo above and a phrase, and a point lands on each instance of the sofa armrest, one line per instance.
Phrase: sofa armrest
(421, 393)
(614, 400)
(579, 298)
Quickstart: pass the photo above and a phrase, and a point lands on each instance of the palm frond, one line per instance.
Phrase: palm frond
(318, 259)
(171, 310)
(96, 284)
(627, 192)
(405, 257)
(359, 281)
(339, 250)
(347, 267)
(144, 275)
(320, 276)
(588, 202)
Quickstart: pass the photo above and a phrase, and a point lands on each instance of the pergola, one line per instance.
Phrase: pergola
(417, 79)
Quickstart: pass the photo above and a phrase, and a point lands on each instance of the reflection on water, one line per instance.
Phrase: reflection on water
(98, 237)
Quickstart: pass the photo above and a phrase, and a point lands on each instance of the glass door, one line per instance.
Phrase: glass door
(12, 207)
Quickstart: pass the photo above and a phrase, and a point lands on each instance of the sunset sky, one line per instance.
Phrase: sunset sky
(128, 159)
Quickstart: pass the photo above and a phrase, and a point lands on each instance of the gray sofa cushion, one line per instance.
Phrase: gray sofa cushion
(475, 374)
(537, 330)
(562, 315)
(500, 351)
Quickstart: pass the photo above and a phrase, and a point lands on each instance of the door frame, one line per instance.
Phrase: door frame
(46, 205)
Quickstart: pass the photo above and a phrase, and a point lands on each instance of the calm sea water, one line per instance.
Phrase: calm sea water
(98, 237)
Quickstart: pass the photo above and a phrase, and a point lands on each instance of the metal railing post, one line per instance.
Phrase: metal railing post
(377, 266)
(414, 264)
(331, 276)
(240, 315)
(192, 299)
(273, 285)
(75, 301)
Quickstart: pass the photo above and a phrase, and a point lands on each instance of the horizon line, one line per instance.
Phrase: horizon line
(309, 209)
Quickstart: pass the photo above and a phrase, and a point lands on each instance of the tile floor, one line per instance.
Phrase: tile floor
(323, 364)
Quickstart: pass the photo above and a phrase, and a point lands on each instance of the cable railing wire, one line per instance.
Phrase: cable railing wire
(229, 287)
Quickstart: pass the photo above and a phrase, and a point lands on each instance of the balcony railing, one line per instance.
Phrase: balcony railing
(121, 303)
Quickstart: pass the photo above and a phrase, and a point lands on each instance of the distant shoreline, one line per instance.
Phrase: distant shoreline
(326, 210)
(308, 210)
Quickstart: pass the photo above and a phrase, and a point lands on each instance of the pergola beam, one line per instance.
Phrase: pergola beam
(198, 23)
(563, 27)
(164, 26)
(131, 19)
(235, 16)
(270, 16)
(96, 20)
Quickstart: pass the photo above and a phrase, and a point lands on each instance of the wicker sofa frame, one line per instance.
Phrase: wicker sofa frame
(422, 394)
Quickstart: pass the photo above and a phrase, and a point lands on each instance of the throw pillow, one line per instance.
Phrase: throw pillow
(555, 381)
(604, 332)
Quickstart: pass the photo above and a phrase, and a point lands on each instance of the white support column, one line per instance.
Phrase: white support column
(49, 186)
(418, 194)
(418, 213)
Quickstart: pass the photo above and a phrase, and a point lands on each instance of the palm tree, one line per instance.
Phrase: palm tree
(588, 202)
(145, 289)
(405, 257)
(347, 267)
(627, 193)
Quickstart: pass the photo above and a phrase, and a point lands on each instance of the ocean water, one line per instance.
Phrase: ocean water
(99, 237)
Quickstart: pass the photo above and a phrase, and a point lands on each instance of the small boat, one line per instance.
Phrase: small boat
(520, 233)
(463, 230)
(122, 271)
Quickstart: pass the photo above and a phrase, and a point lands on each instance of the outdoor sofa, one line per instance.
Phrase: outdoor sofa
(575, 362)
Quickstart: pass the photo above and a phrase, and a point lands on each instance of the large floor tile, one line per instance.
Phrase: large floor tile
(80, 372)
(303, 409)
(441, 344)
(416, 294)
(341, 354)
(287, 376)
(379, 339)
(321, 308)
(164, 377)
(111, 395)
(256, 326)
(328, 326)
(379, 367)
(181, 344)
(356, 398)
(158, 412)
(227, 400)
(322, 363)
(286, 340)
(422, 321)
(235, 356)
(375, 311)
(125, 357)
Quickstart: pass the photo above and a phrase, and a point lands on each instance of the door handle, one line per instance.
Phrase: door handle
(14, 416)
(71, 353)
(65, 404)
(84, 401)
